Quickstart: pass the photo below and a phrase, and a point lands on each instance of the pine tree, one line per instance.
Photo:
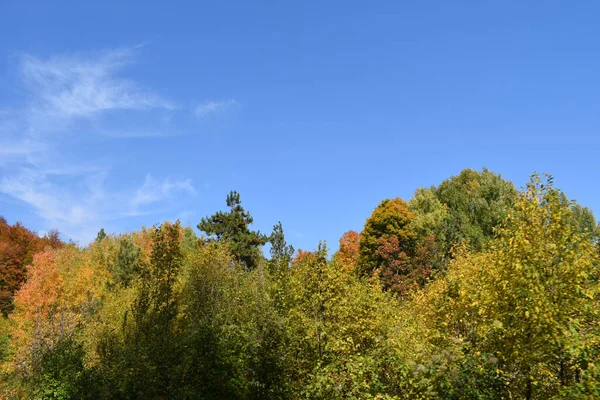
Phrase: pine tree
(233, 228)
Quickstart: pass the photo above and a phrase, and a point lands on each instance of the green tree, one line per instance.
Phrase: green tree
(127, 265)
(585, 221)
(281, 252)
(471, 204)
(233, 227)
(101, 235)
(152, 348)
(429, 214)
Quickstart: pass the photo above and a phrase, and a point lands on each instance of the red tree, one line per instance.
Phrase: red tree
(18, 245)
(400, 272)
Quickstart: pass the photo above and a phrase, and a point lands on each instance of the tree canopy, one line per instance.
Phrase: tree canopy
(18, 245)
(464, 208)
(405, 309)
(391, 219)
(233, 227)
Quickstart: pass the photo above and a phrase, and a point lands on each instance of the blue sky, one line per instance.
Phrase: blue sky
(121, 114)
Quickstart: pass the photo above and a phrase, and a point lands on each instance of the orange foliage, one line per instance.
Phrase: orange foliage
(349, 250)
(62, 287)
(18, 245)
(36, 304)
(38, 296)
(143, 240)
(301, 255)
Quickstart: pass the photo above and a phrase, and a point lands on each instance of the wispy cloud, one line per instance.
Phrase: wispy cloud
(78, 86)
(212, 107)
(153, 191)
(51, 202)
(37, 163)
(80, 209)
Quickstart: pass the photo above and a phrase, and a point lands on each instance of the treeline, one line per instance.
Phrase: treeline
(471, 289)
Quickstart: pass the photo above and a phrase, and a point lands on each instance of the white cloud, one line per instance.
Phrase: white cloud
(39, 164)
(152, 191)
(51, 202)
(211, 107)
(78, 86)
(82, 208)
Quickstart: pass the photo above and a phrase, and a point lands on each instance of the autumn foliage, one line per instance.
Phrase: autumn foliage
(348, 253)
(18, 246)
(504, 308)
(390, 219)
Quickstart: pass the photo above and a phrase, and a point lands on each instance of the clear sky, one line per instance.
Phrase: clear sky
(119, 114)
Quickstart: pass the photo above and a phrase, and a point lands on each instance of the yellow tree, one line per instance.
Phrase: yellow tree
(530, 300)
(338, 324)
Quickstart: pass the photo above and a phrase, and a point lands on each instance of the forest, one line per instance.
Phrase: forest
(471, 289)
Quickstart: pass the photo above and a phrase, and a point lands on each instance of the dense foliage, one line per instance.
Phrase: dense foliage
(17, 248)
(472, 289)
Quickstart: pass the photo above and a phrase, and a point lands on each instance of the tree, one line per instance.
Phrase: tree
(101, 235)
(429, 214)
(152, 347)
(127, 265)
(391, 245)
(539, 292)
(528, 304)
(400, 273)
(338, 326)
(281, 252)
(585, 222)
(53, 238)
(18, 245)
(348, 252)
(233, 227)
(391, 218)
(477, 202)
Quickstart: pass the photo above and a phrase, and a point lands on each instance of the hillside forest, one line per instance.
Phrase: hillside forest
(471, 289)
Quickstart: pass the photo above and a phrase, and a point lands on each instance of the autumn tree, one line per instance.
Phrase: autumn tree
(540, 292)
(233, 227)
(402, 273)
(338, 326)
(348, 253)
(18, 245)
(526, 309)
(52, 309)
(160, 314)
(391, 218)
(151, 348)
